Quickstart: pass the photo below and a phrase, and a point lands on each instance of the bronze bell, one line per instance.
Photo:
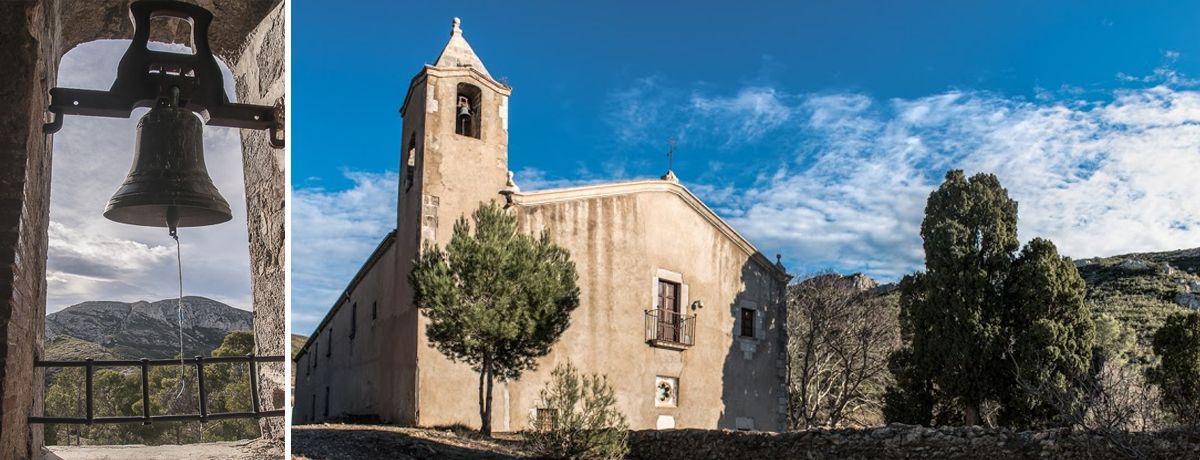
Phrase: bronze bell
(168, 185)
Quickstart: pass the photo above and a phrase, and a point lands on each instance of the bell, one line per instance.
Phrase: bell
(168, 185)
(464, 111)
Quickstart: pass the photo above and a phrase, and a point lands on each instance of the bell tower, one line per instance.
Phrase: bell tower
(454, 155)
(455, 144)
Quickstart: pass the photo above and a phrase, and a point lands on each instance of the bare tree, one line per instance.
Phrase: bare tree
(1116, 401)
(839, 337)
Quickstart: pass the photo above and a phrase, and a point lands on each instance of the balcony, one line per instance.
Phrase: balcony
(667, 329)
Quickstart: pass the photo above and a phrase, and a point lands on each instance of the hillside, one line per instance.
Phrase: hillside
(297, 342)
(105, 329)
(1143, 289)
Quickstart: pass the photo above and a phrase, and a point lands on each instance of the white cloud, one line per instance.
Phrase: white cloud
(1098, 177)
(91, 258)
(333, 234)
(756, 110)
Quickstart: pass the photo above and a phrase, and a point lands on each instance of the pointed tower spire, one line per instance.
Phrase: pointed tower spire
(458, 52)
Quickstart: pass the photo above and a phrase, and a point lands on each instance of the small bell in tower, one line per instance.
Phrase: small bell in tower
(464, 106)
(168, 185)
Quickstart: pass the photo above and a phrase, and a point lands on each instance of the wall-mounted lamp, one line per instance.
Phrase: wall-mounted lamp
(168, 185)
(697, 305)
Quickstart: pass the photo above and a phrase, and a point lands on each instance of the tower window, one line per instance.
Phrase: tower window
(410, 160)
(466, 111)
(748, 322)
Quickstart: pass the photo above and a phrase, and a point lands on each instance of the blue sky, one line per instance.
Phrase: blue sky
(816, 130)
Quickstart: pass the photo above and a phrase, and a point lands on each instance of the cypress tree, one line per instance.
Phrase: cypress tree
(970, 234)
(1051, 337)
(983, 325)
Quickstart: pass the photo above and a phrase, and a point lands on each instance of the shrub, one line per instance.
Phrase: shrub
(576, 418)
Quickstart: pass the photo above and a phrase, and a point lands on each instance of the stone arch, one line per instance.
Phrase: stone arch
(36, 34)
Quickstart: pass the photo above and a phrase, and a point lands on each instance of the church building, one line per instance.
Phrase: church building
(682, 313)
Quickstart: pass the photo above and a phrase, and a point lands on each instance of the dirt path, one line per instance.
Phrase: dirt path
(341, 441)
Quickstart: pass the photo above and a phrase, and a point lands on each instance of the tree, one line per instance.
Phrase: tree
(496, 299)
(577, 418)
(64, 398)
(956, 306)
(1115, 342)
(230, 392)
(983, 325)
(1177, 375)
(839, 338)
(1050, 337)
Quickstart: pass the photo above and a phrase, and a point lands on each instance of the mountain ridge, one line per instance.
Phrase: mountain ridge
(143, 329)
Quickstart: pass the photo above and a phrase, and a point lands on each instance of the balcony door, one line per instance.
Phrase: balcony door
(668, 311)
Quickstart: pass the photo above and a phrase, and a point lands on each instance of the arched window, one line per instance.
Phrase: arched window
(467, 117)
(410, 161)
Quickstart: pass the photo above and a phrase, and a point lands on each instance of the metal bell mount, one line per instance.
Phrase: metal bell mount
(145, 76)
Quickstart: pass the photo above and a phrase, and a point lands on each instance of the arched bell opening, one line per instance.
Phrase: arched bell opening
(467, 119)
(104, 246)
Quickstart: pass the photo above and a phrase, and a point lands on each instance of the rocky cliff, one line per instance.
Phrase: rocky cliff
(144, 329)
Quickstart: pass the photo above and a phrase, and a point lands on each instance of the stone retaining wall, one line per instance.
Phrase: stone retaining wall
(907, 441)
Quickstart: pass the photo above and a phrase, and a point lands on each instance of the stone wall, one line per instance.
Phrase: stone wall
(907, 441)
(259, 74)
(30, 67)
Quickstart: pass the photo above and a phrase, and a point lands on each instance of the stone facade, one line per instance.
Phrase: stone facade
(907, 441)
(34, 35)
(625, 239)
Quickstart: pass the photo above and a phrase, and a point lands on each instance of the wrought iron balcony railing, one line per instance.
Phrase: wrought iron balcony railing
(669, 329)
(146, 419)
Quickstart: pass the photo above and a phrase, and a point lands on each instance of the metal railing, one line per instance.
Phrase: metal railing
(90, 365)
(670, 328)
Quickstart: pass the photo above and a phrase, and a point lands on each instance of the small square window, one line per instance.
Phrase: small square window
(666, 391)
(748, 322)
(545, 419)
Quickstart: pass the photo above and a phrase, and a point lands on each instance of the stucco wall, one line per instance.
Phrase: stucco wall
(357, 370)
(619, 245)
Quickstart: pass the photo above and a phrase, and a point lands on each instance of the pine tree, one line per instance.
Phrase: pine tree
(496, 299)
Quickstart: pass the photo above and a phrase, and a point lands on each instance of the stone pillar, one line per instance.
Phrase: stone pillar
(259, 72)
(30, 55)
